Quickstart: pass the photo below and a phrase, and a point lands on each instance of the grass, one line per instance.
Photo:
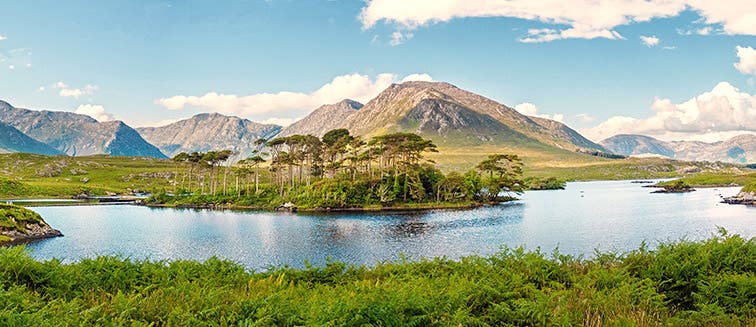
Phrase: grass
(16, 218)
(705, 283)
(720, 179)
(28, 175)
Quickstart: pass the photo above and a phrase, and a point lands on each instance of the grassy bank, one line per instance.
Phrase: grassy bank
(685, 283)
(13, 218)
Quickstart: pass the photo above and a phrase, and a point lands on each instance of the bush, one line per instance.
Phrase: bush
(684, 283)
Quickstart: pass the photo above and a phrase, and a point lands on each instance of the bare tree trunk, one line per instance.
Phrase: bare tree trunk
(257, 178)
(225, 177)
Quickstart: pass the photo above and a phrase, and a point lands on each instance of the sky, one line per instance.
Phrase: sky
(672, 69)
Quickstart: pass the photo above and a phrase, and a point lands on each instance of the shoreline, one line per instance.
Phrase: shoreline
(466, 206)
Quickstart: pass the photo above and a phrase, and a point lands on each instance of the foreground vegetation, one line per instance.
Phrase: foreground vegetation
(705, 283)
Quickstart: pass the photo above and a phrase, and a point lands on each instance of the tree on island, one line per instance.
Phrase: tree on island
(504, 176)
(341, 170)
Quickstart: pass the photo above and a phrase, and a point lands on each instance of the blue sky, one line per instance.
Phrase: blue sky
(151, 62)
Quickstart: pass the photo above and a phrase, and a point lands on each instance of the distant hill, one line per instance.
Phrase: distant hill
(77, 135)
(630, 144)
(740, 149)
(453, 116)
(12, 140)
(323, 119)
(206, 132)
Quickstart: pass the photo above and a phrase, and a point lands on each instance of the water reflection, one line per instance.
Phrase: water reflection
(585, 216)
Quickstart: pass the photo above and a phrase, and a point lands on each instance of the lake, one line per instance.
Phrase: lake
(607, 215)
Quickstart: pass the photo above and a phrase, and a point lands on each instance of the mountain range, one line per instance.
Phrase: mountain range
(205, 132)
(77, 135)
(13, 140)
(740, 149)
(452, 117)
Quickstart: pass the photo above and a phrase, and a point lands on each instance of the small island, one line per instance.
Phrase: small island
(19, 224)
(343, 172)
(677, 186)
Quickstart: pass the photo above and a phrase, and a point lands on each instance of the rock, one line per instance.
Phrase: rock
(747, 198)
(85, 180)
(21, 225)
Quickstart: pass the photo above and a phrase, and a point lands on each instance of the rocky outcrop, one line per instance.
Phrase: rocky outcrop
(747, 198)
(19, 224)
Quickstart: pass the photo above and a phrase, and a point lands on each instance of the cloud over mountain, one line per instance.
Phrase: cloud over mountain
(722, 112)
(285, 105)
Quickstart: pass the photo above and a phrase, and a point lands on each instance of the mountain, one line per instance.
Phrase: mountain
(77, 135)
(323, 119)
(630, 145)
(452, 116)
(12, 140)
(206, 132)
(739, 149)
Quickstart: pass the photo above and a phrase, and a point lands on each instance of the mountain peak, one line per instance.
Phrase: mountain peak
(323, 119)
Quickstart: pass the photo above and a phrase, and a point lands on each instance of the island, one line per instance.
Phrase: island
(676, 186)
(18, 224)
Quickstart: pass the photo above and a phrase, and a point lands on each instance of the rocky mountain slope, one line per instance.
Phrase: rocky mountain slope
(740, 149)
(205, 132)
(630, 145)
(77, 135)
(323, 119)
(453, 116)
(12, 140)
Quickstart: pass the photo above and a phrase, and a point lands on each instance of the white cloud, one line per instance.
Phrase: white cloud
(529, 109)
(95, 111)
(279, 121)
(586, 19)
(3, 37)
(650, 41)
(585, 117)
(723, 111)
(158, 123)
(746, 60)
(11, 67)
(75, 92)
(293, 104)
(398, 37)
(417, 77)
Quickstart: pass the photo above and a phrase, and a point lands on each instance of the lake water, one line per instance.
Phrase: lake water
(615, 216)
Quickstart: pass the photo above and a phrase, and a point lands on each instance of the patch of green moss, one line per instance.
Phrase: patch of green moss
(16, 218)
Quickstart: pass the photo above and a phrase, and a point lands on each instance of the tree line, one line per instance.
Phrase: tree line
(341, 169)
